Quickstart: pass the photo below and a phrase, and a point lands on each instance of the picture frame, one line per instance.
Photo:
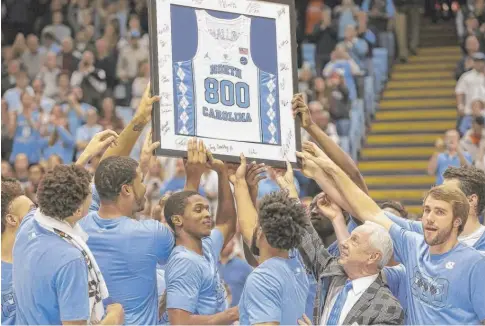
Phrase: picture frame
(210, 61)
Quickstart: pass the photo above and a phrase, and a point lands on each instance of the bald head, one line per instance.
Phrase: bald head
(472, 44)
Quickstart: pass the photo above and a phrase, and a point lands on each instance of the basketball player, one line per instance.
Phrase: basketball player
(195, 293)
(277, 227)
(55, 276)
(15, 205)
(222, 88)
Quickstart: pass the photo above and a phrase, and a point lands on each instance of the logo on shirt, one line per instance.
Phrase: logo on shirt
(433, 291)
(8, 305)
(450, 265)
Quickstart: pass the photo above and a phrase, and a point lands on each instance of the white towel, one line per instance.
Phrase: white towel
(77, 237)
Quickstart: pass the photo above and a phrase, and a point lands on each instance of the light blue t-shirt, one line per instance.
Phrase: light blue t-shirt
(8, 301)
(395, 277)
(276, 291)
(127, 252)
(417, 226)
(445, 161)
(441, 289)
(234, 273)
(50, 277)
(192, 280)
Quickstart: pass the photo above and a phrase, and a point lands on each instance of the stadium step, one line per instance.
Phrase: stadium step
(417, 106)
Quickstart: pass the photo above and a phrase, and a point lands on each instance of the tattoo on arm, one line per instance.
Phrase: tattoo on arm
(138, 127)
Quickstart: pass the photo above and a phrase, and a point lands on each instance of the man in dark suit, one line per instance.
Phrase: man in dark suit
(350, 287)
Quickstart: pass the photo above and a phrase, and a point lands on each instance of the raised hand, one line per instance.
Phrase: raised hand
(147, 152)
(328, 208)
(214, 164)
(308, 167)
(240, 174)
(98, 144)
(286, 181)
(196, 157)
(146, 104)
(304, 321)
(300, 108)
(313, 149)
(254, 174)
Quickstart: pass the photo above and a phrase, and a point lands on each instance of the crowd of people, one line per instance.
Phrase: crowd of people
(95, 229)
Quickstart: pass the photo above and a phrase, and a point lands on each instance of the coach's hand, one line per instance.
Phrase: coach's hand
(300, 109)
(146, 104)
(240, 174)
(329, 209)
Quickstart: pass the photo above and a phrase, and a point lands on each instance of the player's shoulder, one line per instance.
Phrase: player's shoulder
(269, 272)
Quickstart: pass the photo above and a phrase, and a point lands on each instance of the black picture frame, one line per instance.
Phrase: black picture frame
(154, 72)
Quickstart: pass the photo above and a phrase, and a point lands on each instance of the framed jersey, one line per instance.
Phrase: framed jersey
(226, 73)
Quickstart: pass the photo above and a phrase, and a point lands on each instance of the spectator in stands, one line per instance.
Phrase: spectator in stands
(75, 109)
(21, 168)
(474, 138)
(50, 44)
(381, 20)
(91, 79)
(19, 46)
(8, 132)
(60, 139)
(322, 120)
(408, 22)
(452, 156)
(465, 64)
(7, 170)
(470, 86)
(356, 47)
(154, 180)
(341, 59)
(83, 42)
(77, 12)
(106, 60)
(339, 103)
(345, 14)
(109, 118)
(36, 173)
(86, 132)
(48, 74)
(139, 83)
(57, 28)
(66, 59)
(8, 80)
(130, 58)
(26, 125)
(41, 100)
(314, 11)
(63, 87)
(33, 56)
(324, 36)
(13, 95)
(53, 161)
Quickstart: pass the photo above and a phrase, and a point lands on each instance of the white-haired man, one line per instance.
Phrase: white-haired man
(350, 289)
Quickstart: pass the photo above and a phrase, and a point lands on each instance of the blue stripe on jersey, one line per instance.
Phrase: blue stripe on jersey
(270, 116)
(184, 98)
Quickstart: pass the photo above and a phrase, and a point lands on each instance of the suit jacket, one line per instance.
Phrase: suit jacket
(376, 306)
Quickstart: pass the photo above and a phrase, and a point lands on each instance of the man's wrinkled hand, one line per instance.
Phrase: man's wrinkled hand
(300, 108)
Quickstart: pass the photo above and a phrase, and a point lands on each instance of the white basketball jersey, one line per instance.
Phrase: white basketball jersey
(226, 80)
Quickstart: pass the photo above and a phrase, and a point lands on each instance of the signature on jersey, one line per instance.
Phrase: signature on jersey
(224, 34)
(253, 8)
(281, 12)
(164, 29)
(283, 43)
(227, 4)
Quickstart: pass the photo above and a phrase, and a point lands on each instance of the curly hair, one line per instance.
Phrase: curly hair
(282, 220)
(472, 182)
(175, 205)
(11, 189)
(63, 190)
(397, 206)
(111, 174)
